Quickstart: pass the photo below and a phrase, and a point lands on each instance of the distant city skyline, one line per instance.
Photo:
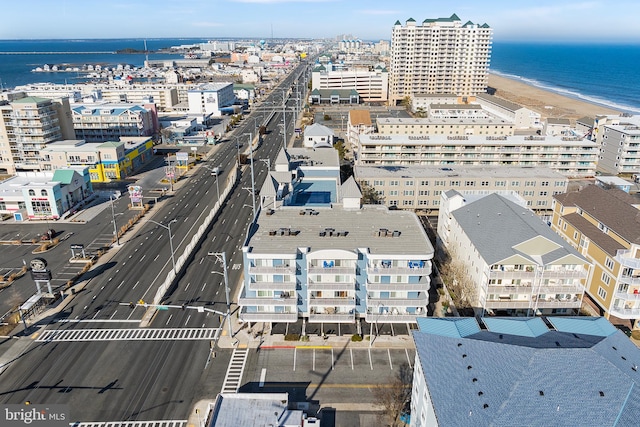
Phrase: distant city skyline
(526, 20)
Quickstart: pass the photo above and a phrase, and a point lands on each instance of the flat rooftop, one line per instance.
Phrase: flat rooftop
(489, 120)
(253, 409)
(467, 172)
(361, 227)
(476, 140)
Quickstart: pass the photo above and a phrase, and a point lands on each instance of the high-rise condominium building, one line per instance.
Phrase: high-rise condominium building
(440, 55)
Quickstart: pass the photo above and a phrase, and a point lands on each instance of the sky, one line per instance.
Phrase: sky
(512, 20)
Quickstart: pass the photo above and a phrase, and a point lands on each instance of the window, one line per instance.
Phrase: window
(575, 235)
(470, 183)
(606, 279)
(43, 193)
(543, 193)
(436, 192)
(3, 206)
(393, 192)
(603, 227)
(408, 183)
(393, 182)
(602, 293)
(515, 183)
(609, 263)
(544, 183)
(501, 183)
(407, 202)
(32, 192)
(377, 182)
(484, 183)
(424, 182)
(408, 192)
(423, 192)
(455, 183)
(423, 202)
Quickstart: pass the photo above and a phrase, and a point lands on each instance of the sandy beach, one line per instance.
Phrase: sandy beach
(548, 104)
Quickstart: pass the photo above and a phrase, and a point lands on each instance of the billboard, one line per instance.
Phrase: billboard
(135, 193)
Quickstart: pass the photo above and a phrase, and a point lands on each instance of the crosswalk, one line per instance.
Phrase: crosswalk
(233, 376)
(135, 334)
(164, 423)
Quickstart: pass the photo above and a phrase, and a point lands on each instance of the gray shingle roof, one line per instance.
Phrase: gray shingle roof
(350, 189)
(496, 225)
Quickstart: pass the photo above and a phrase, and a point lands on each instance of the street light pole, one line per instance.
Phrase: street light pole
(222, 256)
(284, 119)
(168, 228)
(253, 181)
(113, 216)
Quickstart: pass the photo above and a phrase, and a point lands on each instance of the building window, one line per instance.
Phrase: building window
(469, 183)
(602, 293)
(603, 227)
(544, 183)
(501, 183)
(454, 183)
(606, 279)
(609, 263)
(575, 235)
(484, 183)
(32, 192)
(408, 192)
(423, 202)
(515, 183)
(407, 202)
(393, 183)
(3, 206)
(393, 192)
(543, 193)
(43, 193)
(408, 183)
(424, 192)
(424, 182)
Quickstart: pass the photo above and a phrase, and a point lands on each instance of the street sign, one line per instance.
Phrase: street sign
(298, 130)
(77, 247)
(162, 307)
(182, 157)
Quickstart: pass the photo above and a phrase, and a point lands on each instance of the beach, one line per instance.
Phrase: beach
(547, 103)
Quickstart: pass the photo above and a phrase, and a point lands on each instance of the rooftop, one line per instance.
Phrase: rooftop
(523, 372)
(511, 106)
(468, 172)
(476, 140)
(254, 409)
(490, 120)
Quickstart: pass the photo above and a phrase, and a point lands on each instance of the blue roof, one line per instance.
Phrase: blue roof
(449, 327)
(556, 378)
(524, 327)
(597, 326)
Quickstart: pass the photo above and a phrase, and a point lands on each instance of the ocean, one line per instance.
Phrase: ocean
(15, 68)
(604, 74)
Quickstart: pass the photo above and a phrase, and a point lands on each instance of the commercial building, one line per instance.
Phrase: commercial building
(256, 409)
(334, 96)
(513, 261)
(372, 86)
(521, 117)
(106, 161)
(210, 98)
(27, 126)
(100, 122)
(439, 56)
(604, 226)
(317, 254)
(571, 156)
(619, 140)
(420, 187)
(44, 195)
(558, 371)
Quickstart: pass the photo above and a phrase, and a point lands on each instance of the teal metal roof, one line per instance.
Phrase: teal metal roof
(596, 326)
(64, 176)
(524, 327)
(448, 327)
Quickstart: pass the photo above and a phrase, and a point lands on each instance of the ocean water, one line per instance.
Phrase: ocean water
(604, 74)
(15, 69)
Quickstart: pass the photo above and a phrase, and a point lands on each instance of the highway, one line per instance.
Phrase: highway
(122, 379)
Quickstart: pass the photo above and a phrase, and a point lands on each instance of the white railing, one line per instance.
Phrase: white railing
(332, 302)
(272, 286)
(269, 317)
(334, 317)
(270, 301)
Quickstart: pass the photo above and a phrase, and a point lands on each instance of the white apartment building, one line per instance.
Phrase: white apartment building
(521, 117)
(372, 86)
(420, 102)
(619, 140)
(444, 124)
(99, 122)
(359, 123)
(571, 156)
(27, 125)
(518, 264)
(210, 98)
(420, 187)
(439, 56)
(318, 255)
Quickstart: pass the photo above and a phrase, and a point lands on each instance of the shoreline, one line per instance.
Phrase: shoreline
(545, 102)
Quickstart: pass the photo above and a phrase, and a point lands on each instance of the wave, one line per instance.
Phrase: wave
(570, 93)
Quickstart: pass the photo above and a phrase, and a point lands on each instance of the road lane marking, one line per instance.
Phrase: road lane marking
(390, 364)
(143, 257)
(408, 359)
(294, 359)
(351, 351)
(156, 257)
(169, 319)
(370, 362)
(188, 317)
(134, 286)
(263, 377)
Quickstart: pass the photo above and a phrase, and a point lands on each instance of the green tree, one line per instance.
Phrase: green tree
(406, 102)
(394, 397)
(369, 195)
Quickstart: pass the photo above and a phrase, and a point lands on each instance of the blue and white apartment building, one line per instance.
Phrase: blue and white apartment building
(315, 253)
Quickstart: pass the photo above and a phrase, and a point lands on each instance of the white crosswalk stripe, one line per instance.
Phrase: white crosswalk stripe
(137, 334)
(234, 372)
(163, 423)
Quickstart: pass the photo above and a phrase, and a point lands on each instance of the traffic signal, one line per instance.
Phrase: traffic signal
(132, 305)
(184, 306)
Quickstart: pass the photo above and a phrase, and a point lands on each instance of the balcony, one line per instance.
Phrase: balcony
(393, 317)
(332, 318)
(576, 274)
(625, 313)
(400, 270)
(270, 301)
(331, 286)
(421, 286)
(626, 260)
(421, 301)
(269, 317)
(512, 274)
(315, 269)
(558, 303)
(272, 269)
(627, 296)
(272, 286)
(508, 304)
(528, 289)
(332, 302)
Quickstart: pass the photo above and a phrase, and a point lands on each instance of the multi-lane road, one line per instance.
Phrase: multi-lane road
(155, 375)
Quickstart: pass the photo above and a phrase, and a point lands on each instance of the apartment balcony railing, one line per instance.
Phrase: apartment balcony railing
(273, 269)
(421, 286)
(627, 296)
(626, 260)
(332, 317)
(576, 274)
(390, 317)
(331, 286)
(332, 302)
(507, 303)
(331, 270)
(422, 300)
(400, 270)
(625, 313)
(561, 303)
(270, 301)
(272, 286)
(512, 274)
(528, 289)
(268, 317)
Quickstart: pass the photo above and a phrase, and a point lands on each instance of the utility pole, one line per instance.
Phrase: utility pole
(113, 216)
(253, 181)
(168, 228)
(222, 256)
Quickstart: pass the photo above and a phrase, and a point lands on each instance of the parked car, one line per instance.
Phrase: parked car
(48, 235)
